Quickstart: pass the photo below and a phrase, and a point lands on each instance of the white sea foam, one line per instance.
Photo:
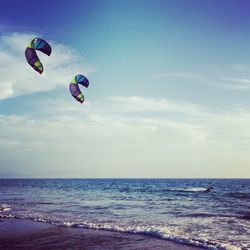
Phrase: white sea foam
(189, 189)
(161, 232)
(5, 207)
(155, 231)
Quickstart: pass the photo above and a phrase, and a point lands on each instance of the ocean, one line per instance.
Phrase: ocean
(178, 210)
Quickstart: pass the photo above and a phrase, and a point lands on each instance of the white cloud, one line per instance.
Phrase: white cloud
(237, 83)
(142, 104)
(18, 78)
(107, 140)
(238, 77)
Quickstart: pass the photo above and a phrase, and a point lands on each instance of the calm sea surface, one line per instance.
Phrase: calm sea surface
(175, 209)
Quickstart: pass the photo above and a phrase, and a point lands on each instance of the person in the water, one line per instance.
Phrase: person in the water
(209, 189)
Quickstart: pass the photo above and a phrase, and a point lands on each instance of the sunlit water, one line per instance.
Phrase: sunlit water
(173, 209)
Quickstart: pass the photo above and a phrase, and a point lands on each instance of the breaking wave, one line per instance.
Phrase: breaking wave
(160, 232)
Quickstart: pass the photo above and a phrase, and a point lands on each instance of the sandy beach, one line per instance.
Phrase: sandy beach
(28, 234)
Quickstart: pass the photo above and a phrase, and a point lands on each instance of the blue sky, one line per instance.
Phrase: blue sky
(168, 95)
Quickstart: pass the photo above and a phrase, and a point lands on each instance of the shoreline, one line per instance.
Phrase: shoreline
(28, 234)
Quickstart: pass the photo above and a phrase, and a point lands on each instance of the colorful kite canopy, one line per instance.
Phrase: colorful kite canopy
(31, 56)
(74, 87)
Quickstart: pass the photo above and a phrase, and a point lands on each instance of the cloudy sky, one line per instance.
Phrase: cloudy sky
(169, 92)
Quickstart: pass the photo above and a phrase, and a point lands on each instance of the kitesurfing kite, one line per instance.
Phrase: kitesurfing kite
(74, 87)
(31, 56)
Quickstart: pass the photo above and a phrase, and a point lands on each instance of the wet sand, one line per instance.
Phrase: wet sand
(27, 234)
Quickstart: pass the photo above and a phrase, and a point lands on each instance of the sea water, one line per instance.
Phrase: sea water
(173, 209)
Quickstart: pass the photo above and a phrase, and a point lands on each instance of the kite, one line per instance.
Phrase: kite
(74, 87)
(31, 56)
